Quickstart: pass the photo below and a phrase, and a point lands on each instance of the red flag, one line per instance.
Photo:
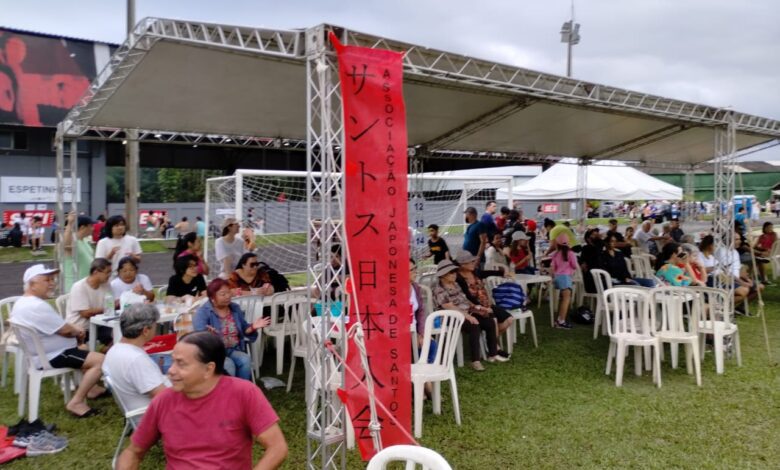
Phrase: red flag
(375, 195)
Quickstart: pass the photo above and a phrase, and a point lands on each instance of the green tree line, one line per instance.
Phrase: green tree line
(161, 184)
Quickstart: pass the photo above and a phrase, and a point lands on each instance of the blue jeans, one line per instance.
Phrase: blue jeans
(238, 364)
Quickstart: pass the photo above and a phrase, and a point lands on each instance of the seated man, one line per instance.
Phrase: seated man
(59, 339)
(134, 376)
(206, 417)
(87, 298)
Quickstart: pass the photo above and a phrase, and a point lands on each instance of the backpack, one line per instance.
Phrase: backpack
(278, 280)
(509, 296)
(583, 316)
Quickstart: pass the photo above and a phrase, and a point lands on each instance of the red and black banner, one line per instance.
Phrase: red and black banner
(375, 195)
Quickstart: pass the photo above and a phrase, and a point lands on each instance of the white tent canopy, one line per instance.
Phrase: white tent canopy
(604, 182)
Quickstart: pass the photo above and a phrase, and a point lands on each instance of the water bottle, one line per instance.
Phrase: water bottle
(108, 308)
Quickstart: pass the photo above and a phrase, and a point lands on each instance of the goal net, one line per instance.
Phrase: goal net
(273, 206)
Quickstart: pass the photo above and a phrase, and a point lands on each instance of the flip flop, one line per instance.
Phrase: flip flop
(87, 414)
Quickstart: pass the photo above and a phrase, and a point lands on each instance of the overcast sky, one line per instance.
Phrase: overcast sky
(716, 52)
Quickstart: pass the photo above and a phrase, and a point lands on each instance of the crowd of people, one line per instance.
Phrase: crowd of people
(210, 365)
(505, 242)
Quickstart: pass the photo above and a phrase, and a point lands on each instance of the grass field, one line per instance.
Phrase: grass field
(21, 255)
(550, 407)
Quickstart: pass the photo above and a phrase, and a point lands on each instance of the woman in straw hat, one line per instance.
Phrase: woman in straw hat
(448, 295)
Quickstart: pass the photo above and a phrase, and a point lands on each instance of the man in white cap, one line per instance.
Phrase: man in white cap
(59, 339)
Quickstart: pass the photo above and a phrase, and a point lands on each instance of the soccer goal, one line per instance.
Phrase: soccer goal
(273, 206)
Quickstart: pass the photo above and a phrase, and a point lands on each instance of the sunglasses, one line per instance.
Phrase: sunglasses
(254, 265)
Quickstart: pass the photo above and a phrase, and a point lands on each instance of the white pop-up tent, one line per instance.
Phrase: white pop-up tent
(604, 182)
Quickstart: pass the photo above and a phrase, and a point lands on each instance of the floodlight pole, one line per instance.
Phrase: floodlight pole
(570, 34)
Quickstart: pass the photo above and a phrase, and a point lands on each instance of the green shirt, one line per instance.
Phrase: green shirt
(85, 254)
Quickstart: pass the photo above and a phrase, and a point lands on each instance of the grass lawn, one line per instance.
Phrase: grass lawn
(22, 255)
(550, 407)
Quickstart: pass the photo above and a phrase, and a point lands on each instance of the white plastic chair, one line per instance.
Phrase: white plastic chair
(448, 337)
(582, 294)
(31, 346)
(279, 329)
(677, 310)
(642, 266)
(252, 306)
(162, 292)
(297, 313)
(518, 314)
(716, 320)
(774, 259)
(132, 418)
(429, 280)
(8, 343)
(412, 455)
(630, 322)
(62, 305)
(603, 282)
(427, 298)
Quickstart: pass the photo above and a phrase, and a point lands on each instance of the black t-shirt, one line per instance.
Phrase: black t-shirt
(177, 287)
(438, 249)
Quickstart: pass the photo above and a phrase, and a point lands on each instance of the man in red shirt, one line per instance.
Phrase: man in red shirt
(207, 419)
(98, 227)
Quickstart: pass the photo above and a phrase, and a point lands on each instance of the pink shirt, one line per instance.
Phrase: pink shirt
(561, 266)
(214, 431)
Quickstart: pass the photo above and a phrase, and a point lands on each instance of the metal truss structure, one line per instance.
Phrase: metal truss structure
(326, 424)
(723, 224)
(462, 71)
(326, 417)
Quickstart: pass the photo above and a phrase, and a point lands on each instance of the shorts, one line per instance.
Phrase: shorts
(73, 358)
(500, 313)
(562, 281)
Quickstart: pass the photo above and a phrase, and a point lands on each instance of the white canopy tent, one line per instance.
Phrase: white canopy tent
(604, 182)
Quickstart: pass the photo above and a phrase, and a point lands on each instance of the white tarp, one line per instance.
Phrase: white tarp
(605, 182)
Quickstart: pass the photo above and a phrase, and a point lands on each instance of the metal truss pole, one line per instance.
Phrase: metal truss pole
(723, 223)
(582, 184)
(131, 181)
(688, 208)
(74, 197)
(60, 167)
(325, 419)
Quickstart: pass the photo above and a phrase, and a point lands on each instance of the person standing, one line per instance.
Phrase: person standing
(475, 239)
(84, 253)
(229, 247)
(182, 227)
(97, 228)
(564, 264)
(200, 227)
(436, 245)
(487, 220)
(227, 415)
(118, 243)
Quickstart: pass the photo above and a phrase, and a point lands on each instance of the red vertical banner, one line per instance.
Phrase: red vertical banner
(376, 206)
